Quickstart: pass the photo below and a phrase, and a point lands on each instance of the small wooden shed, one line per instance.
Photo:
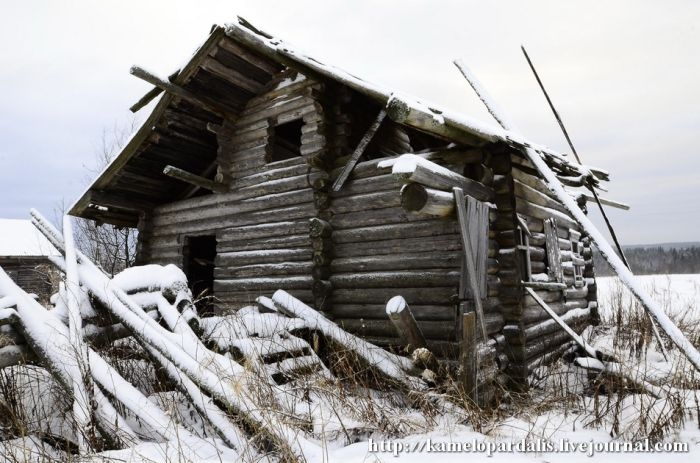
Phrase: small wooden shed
(24, 256)
(237, 176)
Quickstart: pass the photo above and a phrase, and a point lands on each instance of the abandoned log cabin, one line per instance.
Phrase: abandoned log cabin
(24, 256)
(261, 168)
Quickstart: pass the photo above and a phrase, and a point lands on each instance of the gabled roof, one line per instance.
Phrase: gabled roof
(19, 238)
(236, 62)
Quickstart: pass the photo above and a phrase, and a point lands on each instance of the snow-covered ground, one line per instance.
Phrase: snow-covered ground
(545, 432)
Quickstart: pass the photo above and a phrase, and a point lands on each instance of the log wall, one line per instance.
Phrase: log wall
(347, 253)
(532, 336)
(380, 251)
(262, 222)
(32, 274)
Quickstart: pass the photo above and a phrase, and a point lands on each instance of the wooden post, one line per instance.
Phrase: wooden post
(468, 356)
(401, 316)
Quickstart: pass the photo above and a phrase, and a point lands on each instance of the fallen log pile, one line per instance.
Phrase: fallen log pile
(231, 369)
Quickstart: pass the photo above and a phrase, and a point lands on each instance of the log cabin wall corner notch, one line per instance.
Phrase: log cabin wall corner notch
(261, 168)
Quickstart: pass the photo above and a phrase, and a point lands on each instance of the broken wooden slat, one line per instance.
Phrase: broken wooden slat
(338, 184)
(470, 265)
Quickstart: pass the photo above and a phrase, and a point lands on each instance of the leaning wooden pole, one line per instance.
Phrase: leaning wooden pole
(81, 385)
(604, 247)
(598, 200)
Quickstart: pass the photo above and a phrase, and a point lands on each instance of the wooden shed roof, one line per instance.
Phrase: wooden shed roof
(235, 63)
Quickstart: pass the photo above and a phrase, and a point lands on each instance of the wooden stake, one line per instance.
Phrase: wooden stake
(401, 316)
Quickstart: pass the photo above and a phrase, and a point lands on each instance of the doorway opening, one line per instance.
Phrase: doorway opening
(199, 254)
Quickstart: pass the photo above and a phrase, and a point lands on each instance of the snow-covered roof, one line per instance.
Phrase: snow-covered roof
(21, 238)
(400, 107)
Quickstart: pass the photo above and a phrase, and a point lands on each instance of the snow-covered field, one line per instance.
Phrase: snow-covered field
(562, 418)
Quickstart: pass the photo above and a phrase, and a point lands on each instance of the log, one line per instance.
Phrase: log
(399, 279)
(378, 311)
(401, 316)
(177, 90)
(415, 296)
(427, 201)
(428, 260)
(395, 231)
(397, 246)
(416, 169)
(404, 112)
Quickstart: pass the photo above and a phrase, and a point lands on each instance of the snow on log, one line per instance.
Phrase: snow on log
(412, 168)
(81, 384)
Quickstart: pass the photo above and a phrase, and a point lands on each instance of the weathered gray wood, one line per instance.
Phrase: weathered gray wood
(193, 179)
(553, 253)
(469, 258)
(417, 296)
(263, 270)
(378, 311)
(397, 279)
(403, 113)
(608, 202)
(415, 261)
(431, 329)
(319, 228)
(359, 150)
(402, 245)
(236, 258)
(176, 90)
(468, 356)
(401, 316)
(547, 286)
(428, 201)
(394, 231)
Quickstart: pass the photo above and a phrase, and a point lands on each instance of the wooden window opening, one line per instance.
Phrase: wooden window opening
(286, 140)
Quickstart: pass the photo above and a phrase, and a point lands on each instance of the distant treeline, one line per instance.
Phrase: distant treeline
(651, 260)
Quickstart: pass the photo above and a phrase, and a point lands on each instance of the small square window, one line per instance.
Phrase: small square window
(286, 141)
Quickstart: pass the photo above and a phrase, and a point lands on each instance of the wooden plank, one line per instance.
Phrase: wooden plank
(359, 150)
(468, 356)
(553, 253)
(469, 257)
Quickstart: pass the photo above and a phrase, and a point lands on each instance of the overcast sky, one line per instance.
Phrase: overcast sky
(624, 75)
